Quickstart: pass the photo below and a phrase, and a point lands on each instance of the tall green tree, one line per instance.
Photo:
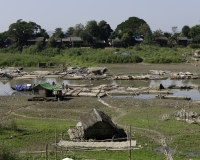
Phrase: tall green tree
(78, 29)
(58, 33)
(131, 25)
(144, 30)
(104, 30)
(22, 30)
(185, 31)
(158, 33)
(127, 39)
(86, 37)
(93, 28)
(194, 31)
(69, 32)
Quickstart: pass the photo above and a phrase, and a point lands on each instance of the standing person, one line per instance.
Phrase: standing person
(63, 86)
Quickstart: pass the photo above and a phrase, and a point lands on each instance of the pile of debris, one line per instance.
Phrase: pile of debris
(84, 73)
(190, 117)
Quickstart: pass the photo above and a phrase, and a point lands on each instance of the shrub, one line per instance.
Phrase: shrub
(13, 125)
(6, 153)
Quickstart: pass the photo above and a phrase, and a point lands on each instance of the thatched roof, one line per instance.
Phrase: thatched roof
(94, 116)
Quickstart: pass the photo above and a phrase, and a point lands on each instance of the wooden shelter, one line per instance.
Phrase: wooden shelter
(162, 41)
(46, 90)
(182, 41)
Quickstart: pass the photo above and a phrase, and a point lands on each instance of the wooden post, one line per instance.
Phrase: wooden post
(56, 143)
(46, 149)
(61, 152)
(130, 143)
(62, 135)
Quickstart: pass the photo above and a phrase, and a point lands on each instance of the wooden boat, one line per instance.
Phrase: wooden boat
(22, 87)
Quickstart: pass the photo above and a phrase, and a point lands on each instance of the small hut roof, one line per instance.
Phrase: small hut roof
(48, 86)
(182, 38)
(94, 116)
(35, 39)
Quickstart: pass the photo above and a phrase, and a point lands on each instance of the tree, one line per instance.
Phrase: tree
(22, 30)
(130, 25)
(77, 29)
(158, 33)
(144, 30)
(104, 30)
(174, 29)
(58, 33)
(185, 31)
(69, 32)
(196, 39)
(92, 28)
(43, 33)
(3, 38)
(194, 31)
(166, 34)
(86, 37)
(127, 39)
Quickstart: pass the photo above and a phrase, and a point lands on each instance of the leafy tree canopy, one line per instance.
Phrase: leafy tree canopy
(92, 28)
(104, 30)
(144, 30)
(22, 30)
(194, 31)
(78, 29)
(69, 32)
(58, 33)
(131, 25)
(86, 37)
(185, 31)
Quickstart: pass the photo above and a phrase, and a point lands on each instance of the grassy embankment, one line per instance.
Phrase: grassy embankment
(29, 126)
(88, 57)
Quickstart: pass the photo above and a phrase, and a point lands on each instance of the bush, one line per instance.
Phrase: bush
(6, 153)
(193, 46)
(13, 125)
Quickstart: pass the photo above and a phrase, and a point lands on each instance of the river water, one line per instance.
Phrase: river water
(5, 86)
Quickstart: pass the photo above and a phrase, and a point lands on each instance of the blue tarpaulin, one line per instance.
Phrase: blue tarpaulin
(23, 87)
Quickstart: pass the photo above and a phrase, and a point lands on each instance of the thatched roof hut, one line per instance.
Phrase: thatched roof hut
(95, 125)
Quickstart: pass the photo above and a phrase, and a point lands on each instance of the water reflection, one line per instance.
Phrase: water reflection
(194, 94)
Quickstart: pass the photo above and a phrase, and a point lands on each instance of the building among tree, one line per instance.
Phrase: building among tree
(182, 41)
